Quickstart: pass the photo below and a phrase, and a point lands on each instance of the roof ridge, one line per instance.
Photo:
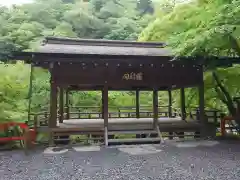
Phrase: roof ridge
(102, 42)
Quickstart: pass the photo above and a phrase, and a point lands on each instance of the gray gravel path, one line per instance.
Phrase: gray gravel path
(221, 162)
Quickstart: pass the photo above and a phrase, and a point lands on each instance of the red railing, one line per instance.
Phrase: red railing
(27, 136)
(227, 120)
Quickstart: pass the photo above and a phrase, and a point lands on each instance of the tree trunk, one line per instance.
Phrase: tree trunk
(234, 44)
(226, 98)
(223, 94)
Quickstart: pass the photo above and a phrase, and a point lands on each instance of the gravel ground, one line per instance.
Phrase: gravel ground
(220, 162)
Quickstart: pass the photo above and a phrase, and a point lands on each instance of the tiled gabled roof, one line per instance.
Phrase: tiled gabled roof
(103, 47)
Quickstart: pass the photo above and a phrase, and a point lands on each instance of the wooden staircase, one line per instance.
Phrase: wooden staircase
(150, 136)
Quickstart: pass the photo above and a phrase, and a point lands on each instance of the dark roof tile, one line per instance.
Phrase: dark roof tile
(103, 50)
(102, 47)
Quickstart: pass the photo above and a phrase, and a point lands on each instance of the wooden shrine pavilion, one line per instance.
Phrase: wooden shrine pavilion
(105, 65)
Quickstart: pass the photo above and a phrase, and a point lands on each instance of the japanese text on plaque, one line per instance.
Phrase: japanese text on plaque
(133, 76)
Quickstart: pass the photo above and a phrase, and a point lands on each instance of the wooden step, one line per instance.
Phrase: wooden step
(133, 140)
(133, 132)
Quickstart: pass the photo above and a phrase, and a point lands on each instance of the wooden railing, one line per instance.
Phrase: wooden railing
(40, 119)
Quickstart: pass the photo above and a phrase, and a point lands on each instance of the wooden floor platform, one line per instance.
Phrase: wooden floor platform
(117, 126)
(122, 124)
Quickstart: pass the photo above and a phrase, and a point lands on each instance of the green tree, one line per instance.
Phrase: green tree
(145, 6)
(7, 47)
(64, 30)
(23, 27)
(203, 28)
(13, 92)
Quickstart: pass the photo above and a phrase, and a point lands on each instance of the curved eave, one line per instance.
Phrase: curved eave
(36, 56)
(210, 61)
(101, 42)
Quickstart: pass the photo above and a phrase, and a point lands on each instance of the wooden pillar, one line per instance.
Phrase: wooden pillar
(105, 115)
(102, 111)
(52, 121)
(30, 92)
(138, 111)
(169, 103)
(183, 108)
(137, 104)
(67, 105)
(170, 110)
(53, 105)
(202, 118)
(61, 105)
(155, 108)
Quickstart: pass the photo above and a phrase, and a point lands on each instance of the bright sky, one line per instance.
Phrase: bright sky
(11, 2)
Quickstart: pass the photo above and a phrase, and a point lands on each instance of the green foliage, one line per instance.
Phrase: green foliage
(13, 92)
(145, 6)
(6, 48)
(194, 28)
(23, 27)
(202, 28)
(198, 28)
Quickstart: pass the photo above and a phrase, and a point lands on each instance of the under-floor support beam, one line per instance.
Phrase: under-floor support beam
(159, 134)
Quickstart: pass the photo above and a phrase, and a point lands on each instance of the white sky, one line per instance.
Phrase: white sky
(11, 2)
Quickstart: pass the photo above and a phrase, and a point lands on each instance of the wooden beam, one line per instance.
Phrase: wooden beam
(30, 91)
(67, 105)
(61, 105)
(155, 108)
(105, 105)
(202, 118)
(53, 105)
(102, 103)
(137, 104)
(170, 110)
(169, 103)
(183, 108)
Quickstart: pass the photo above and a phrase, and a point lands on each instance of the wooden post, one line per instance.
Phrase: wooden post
(202, 118)
(61, 105)
(53, 106)
(215, 117)
(52, 121)
(67, 104)
(155, 108)
(30, 92)
(169, 103)
(170, 110)
(183, 108)
(105, 115)
(103, 104)
(138, 110)
(137, 104)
